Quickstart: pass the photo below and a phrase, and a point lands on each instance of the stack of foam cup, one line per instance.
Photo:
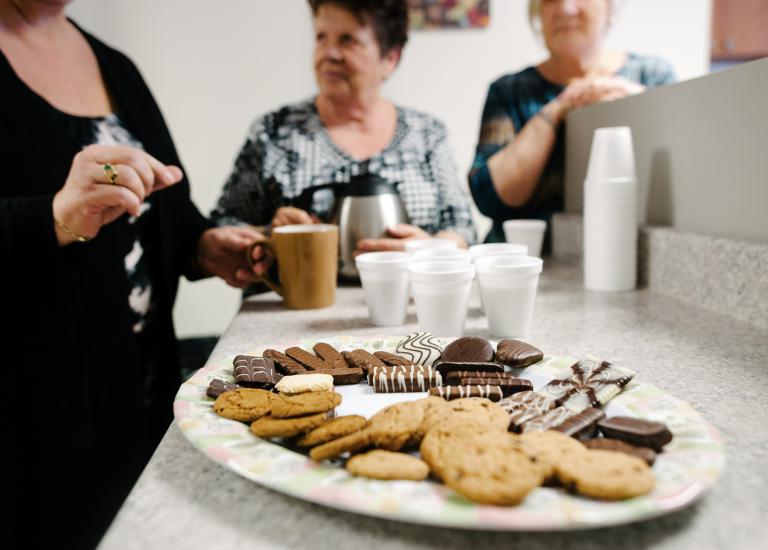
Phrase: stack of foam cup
(441, 293)
(508, 286)
(493, 249)
(610, 212)
(384, 276)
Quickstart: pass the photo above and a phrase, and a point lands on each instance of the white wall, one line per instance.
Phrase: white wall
(214, 65)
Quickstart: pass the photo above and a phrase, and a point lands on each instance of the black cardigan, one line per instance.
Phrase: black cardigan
(83, 413)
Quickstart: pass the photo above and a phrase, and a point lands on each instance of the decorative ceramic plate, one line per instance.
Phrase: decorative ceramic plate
(689, 465)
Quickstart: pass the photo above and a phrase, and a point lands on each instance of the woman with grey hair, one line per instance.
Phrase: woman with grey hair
(519, 162)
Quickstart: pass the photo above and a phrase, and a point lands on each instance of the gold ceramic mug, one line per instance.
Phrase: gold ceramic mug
(307, 259)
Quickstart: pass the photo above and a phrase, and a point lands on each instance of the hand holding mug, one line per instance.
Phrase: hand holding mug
(221, 252)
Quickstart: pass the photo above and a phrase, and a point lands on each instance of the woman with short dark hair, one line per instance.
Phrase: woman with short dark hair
(350, 129)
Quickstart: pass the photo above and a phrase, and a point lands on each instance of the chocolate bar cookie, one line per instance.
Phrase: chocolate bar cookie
(606, 444)
(217, 387)
(328, 353)
(508, 386)
(636, 431)
(444, 367)
(421, 348)
(592, 384)
(457, 392)
(255, 372)
(548, 421)
(392, 359)
(413, 378)
(524, 406)
(282, 363)
(453, 377)
(309, 360)
(362, 359)
(582, 425)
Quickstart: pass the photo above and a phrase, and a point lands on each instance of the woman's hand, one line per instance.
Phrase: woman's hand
(222, 252)
(398, 235)
(588, 91)
(289, 215)
(89, 200)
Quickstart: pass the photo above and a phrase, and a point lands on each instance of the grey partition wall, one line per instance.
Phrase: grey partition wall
(701, 150)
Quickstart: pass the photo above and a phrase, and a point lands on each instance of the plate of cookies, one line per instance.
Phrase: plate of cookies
(465, 433)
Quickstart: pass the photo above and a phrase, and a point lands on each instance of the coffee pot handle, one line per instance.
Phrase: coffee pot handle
(304, 200)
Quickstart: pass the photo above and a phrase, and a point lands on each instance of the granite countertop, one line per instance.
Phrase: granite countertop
(718, 364)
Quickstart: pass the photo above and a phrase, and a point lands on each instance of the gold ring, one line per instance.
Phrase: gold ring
(112, 173)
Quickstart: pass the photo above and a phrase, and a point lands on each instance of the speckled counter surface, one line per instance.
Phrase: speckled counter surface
(718, 364)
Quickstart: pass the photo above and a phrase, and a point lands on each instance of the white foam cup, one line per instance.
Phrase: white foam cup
(497, 249)
(384, 276)
(494, 249)
(421, 244)
(441, 292)
(439, 254)
(527, 232)
(508, 286)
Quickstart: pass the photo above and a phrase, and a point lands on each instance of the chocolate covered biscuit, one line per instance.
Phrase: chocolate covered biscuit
(392, 359)
(524, 406)
(592, 384)
(421, 348)
(309, 360)
(453, 377)
(362, 359)
(457, 392)
(282, 363)
(468, 349)
(328, 353)
(636, 431)
(255, 372)
(217, 387)
(583, 425)
(517, 354)
(606, 444)
(413, 378)
(343, 376)
(486, 366)
(508, 386)
(548, 421)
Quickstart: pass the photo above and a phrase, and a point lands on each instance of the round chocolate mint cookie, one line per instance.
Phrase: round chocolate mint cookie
(468, 349)
(515, 353)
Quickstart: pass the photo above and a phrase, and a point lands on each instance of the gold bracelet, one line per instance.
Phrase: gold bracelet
(68, 231)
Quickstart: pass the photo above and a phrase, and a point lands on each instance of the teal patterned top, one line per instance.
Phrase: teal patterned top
(512, 101)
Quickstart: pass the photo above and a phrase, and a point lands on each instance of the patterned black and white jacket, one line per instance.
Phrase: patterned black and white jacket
(289, 150)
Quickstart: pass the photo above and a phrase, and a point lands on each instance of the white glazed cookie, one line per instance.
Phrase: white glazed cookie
(421, 348)
(301, 383)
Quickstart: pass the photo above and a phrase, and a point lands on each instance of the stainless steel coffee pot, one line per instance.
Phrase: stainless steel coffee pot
(363, 208)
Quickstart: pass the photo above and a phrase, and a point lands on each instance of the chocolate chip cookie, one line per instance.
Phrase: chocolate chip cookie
(379, 464)
(290, 406)
(244, 404)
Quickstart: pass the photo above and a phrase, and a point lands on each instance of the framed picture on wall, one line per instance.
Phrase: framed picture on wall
(448, 14)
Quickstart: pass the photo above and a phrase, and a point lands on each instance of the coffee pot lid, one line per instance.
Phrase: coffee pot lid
(365, 185)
